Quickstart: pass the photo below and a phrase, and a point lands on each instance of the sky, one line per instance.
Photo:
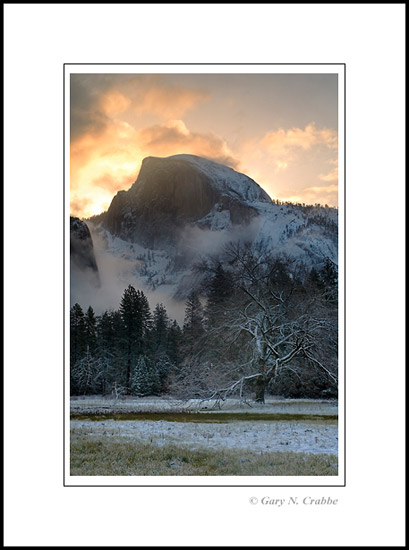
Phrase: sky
(279, 129)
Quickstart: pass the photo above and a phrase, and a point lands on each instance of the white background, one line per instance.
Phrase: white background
(39, 38)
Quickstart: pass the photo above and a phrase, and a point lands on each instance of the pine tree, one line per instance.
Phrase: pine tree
(145, 379)
(329, 272)
(193, 326)
(135, 315)
(91, 330)
(108, 352)
(163, 368)
(106, 333)
(221, 290)
(329, 277)
(160, 329)
(78, 345)
(175, 336)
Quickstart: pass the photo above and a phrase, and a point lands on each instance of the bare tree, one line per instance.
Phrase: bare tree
(286, 326)
(271, 324)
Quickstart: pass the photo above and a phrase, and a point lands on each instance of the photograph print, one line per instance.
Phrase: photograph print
(203, 273)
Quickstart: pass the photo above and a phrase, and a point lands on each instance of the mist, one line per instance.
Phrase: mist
(115, 274)
(122, 268)
(208, 242)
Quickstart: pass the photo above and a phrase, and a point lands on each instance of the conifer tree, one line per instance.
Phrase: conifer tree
(78, 344)
(160, 329)
(193, 326)
(175, 336)
(135, 315)
(329, 277)
(91, 330)
(109, 330)
(221, 289)
(145, 378)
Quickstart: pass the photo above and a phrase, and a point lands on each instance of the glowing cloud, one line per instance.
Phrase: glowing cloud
(306, 138)
(174, 137)
(113, 103)
(316, 194)
(167, 101)
(331, 176)
(96, 99)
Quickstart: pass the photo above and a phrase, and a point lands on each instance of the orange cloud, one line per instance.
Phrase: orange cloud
(113, 103)
(315, 194)
(97, 99)
(318, 189)
(167, 101)
(111, 183)
(174, 138)
(144, 97)
(331, 176)
(102, 164)
(78, 205)
(281, 165)
(281, 140)
(95, 201)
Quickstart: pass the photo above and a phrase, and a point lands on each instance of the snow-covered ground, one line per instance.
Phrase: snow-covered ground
(168, 404)
(264, 435)
(256, 436)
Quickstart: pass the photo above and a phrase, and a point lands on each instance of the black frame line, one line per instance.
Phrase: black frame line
(64, 278)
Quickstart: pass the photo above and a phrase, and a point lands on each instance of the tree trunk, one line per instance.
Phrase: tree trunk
(260, 389)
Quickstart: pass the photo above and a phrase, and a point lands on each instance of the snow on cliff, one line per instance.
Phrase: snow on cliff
(185, 208)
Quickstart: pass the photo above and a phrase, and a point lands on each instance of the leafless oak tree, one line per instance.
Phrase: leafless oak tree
(270, 324)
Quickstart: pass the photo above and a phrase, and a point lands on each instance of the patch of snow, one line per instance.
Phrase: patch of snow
(217, 219)
(257, 436)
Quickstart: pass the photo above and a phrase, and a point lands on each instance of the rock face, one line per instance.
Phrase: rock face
(82, 251)
(181, 190)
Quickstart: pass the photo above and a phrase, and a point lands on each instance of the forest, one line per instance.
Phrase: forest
(259, 324)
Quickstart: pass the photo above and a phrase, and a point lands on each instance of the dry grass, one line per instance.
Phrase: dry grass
(206, 417)
(114, 456)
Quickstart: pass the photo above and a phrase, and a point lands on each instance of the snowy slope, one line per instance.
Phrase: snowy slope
(307, 234)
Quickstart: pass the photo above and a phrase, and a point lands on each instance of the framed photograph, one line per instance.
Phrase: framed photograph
(204, 223)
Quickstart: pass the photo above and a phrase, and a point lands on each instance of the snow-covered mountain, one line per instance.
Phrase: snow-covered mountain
(179, 190)
(185, 208)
